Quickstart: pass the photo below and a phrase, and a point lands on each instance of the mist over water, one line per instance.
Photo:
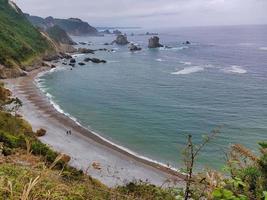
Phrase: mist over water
(150, 100)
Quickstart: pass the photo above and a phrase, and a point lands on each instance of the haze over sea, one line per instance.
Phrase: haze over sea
(149, 101)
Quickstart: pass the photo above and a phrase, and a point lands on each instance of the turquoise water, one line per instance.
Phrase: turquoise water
(149, 101)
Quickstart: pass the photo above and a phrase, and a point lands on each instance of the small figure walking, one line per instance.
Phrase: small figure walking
(70, 132)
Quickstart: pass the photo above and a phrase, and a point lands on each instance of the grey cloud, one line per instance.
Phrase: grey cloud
(149, 12)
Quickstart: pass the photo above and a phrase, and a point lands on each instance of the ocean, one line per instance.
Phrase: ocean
(150, 100)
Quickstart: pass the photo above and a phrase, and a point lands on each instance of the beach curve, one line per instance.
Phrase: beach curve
(118, 166)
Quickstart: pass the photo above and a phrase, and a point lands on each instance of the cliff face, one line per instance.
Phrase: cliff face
(72, 26)
(59, 35)
(20, 42)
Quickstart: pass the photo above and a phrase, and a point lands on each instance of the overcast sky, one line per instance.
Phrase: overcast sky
(152, 13)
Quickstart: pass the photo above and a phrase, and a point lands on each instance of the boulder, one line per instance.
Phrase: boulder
(96, 165)
(106, 43)
(66, 56)
(86, 51)
(133, 47)
(81, 63)
(87, 59)
(53, 66)
(41, 132)
(121, 40)
(72, 60)
(96, 60)
(65, 158)
(186, 42)
(82, 43)
(153, 42)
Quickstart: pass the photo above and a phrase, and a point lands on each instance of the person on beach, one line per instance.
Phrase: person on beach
(67, 132)
(70, 132)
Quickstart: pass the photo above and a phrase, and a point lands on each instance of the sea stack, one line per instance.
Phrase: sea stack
(133, 47)
(121, 40)
(153, 42)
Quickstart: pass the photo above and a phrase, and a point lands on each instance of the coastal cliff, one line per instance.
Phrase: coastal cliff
(23, 46)
(72, 26)
(20, 43)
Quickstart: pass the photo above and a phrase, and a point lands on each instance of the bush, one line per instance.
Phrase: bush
(11, 141)
(39, 148)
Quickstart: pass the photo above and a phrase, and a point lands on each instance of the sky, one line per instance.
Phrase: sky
(152, 13)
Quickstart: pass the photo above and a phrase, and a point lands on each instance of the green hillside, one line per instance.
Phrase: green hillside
(20, 42)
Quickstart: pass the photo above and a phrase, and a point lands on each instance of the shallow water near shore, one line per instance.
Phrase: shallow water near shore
(148, 101)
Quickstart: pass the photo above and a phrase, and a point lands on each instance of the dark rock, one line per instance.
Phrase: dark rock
(86, 51)
(117, 32)
(106, 32)
(45, 64)
(96, 60)
(64, 63)
(72, 60)
(87, 59)
(186, 42)
(82, 43)
(53, 66)
(106, 44)
(81, 63)
(121, 40)
(41, 132)
(72, 64)
(153, 42)
(66, 56)
(103, 49)
(133, 47)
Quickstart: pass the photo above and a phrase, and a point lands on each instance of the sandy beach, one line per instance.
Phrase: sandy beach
(117, 166)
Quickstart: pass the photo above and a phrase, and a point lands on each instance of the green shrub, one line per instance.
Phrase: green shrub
(39, 148)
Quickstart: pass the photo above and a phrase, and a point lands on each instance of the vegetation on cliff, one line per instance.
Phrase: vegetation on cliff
(20, 42)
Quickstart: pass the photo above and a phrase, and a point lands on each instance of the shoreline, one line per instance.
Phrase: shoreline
(132, 166)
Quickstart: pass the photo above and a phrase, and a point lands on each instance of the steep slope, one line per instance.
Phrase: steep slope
(75, 26)
(72, 26)
(59, 35)
(20, 42)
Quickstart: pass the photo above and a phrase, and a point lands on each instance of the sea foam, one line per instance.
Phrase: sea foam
(159, 60)
(235, 69)
(189, 70)
(185, 63)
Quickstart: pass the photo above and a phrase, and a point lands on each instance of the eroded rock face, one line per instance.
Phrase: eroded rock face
(153, 42)
(121, 40)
